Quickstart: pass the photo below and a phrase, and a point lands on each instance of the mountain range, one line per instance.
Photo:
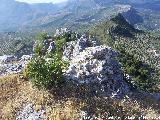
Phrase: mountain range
(76, 14)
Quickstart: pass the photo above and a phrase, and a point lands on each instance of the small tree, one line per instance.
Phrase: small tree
(46, 71)
(39, 43)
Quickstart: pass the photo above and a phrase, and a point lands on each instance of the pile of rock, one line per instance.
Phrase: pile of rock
(28, 113)
(7, 58)
(11, 65)
(90, 64)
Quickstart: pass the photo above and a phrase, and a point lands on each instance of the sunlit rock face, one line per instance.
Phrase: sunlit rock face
(94, 64)
(73, 48)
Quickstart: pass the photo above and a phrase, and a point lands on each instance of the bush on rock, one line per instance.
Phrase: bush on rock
(46, 70)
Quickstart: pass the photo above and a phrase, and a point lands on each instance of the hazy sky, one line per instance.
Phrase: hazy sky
(41, 1)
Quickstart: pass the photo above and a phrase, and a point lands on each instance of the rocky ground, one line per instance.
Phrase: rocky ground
(10, 64)
(28, 113)
(91, 65)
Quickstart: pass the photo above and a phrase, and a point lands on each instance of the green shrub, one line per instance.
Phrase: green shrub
(41, 36)
(39, 43)
(141, 73)
(60, 43)
(45, 73)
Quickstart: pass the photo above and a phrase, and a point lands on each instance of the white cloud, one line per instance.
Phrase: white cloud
(42, 1)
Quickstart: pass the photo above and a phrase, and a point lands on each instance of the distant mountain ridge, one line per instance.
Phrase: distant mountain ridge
(74, 13)
(138, 44)
(14, 14)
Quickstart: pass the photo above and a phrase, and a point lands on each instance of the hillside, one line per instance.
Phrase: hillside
(72, 77)
(12, 11)
(144, 47)
(76, 14)
(79, 16)
(16, 44)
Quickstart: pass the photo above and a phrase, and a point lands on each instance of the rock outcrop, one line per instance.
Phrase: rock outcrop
(11, 65)
(94, 64)
(62, 31)
(73, 48)
(48, 45)
(7, 58)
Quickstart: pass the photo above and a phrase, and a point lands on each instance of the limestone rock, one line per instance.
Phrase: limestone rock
(51, 48)
(10, 69)
(73, 48)
(62, 31)
(48, 46)
(7, 58)
(26, 57)
(93, 64)
(28, 113)
(7, 68)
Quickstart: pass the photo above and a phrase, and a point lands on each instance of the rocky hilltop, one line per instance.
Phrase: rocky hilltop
(91, 63)
(91, 67)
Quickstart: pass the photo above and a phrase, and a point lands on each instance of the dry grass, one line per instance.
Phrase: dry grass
(15, 93)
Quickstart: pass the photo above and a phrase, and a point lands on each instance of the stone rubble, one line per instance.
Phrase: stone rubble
(7, 58)
(28, 113)
(10, 65)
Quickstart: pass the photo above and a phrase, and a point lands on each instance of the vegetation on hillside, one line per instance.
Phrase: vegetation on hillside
(70, 101)
(15, 44)
(135, 51)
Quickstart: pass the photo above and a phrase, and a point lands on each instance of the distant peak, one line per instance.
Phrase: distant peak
(118, 19)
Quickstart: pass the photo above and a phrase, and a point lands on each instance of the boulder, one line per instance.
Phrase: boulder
(73, 48)
(7, 58)
(94, 64)
(51, 48)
